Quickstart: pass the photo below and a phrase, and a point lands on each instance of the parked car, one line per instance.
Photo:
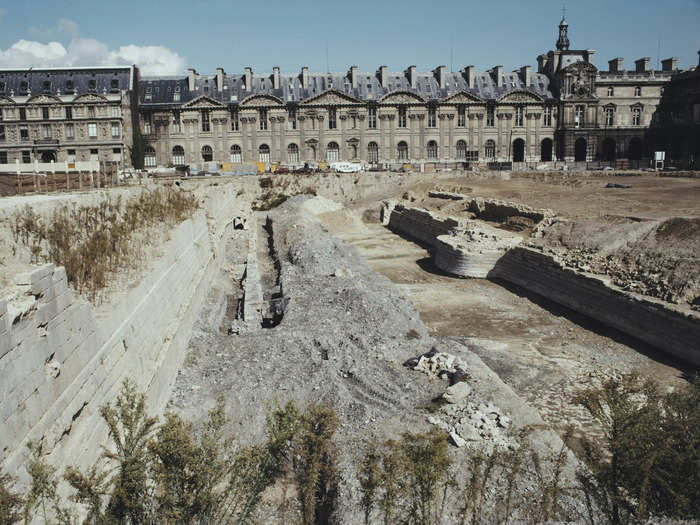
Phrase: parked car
(280, 170)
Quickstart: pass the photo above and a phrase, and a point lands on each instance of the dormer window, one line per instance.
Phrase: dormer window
(92, 85)
(23, 87)
(114, 84)
(70, 87)
(46, 86)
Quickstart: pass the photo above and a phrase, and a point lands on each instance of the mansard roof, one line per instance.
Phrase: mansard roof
(162, 90)
(11, 80)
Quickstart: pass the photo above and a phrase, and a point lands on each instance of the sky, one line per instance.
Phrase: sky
(165, 38)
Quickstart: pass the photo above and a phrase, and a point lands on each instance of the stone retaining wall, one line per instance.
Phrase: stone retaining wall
(673, 331)
(457, 250)
(59, 362)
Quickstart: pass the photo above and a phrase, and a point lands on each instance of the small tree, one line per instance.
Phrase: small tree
(138, 148)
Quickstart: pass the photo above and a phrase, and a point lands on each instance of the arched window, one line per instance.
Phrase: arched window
(611, 91)
(461, 150)
(432, 150)
(333, 152)
(490, 149)
(580, 150)
(178, 156)
(292, 153)
(402, 148)
(236, 155)
(264, 153)
(638, 91)
(353, 151)
(149, 157)
(372, 152)
(518, 150)
(207, 154)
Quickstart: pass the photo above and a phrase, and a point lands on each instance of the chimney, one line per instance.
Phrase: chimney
(383, 77)
(526, 75)
(615, 65)
(353, 76)
(497, 71)
(249, 78)
(670, 64)
(470, 75)
(220, 78)
(305, 77)
(642, 65)
(588, 55)
(411, 74)
(191, 75)
(439, 73)
(541, 61)
(276, 77)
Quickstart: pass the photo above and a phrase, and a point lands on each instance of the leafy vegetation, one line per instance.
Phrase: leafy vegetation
(93, 242)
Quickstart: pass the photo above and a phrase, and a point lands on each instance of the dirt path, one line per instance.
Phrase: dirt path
(545, 352)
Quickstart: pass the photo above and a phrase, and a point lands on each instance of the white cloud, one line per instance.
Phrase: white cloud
(152, 60)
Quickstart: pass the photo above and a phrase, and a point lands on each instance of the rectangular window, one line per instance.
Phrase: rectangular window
(263, 119)
(92, 85)
(70, 157)
(45, 113)
(2, 133)
(70, 132)
(114, 84)
(46, 131)
(116, 130)
(292, 120)
(116, 154)
(519, 116)
(636, 116)
(94, 154)
(92, 130)
(490, 117)
(22, 114)
(176, 122)
(579, 118)
(206, 125)
(372, 118)
(176, 97)
(332, 119)
(116, 112)
(26, 157)
(548, 116)
(3, 157)
(0, 114)
(69, 113)
(23, 133)
(609, 116)
(46, 86)
(473, 156)
(402, 116)
(432, 117)
(234, 120)
(70, 87)
(91, 111)
(461, 116)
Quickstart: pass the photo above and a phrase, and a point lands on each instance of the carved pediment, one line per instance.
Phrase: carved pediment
(311, 141)
(521, 96)
(202, 102)
(463, 97)
(261, 100)
(89, 97)
(353, 141)
(580, 67)
(6, 100)
(401, 97)
(331, 97)
(43, 99)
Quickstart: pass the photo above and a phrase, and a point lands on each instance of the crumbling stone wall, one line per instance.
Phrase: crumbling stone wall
(59, 362)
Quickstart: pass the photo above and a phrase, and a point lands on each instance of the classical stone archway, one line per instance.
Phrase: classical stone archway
(580, 150)
(518, 150)
(635, 149)
(609, 148)
(546, 150)
(48, 156)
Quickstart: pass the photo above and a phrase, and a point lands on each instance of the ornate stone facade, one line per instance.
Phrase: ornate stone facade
(568, 111)
(67, 115)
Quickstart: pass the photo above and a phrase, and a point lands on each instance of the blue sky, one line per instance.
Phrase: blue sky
(168, 37)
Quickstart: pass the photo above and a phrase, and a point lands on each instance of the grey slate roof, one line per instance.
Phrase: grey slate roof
(162, 89)
(14, 81)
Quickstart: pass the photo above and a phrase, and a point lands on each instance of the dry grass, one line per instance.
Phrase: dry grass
(95, 242)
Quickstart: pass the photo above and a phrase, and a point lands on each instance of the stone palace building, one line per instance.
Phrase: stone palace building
(566, 110)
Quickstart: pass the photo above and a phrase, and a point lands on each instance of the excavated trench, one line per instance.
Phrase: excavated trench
(274, 301)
